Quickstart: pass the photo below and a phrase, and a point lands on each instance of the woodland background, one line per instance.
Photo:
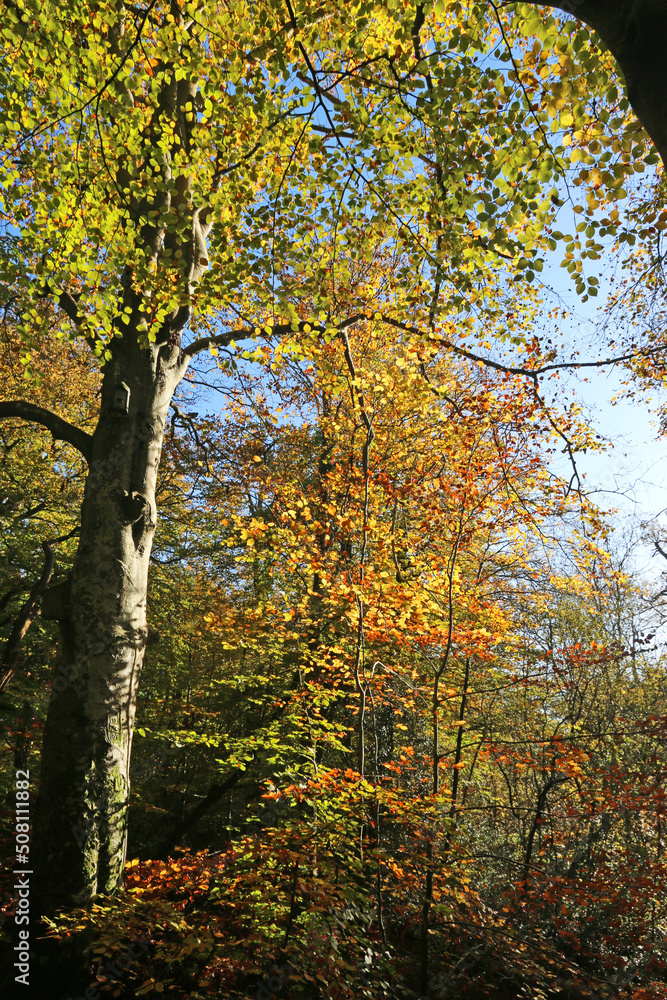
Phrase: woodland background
(401, 729)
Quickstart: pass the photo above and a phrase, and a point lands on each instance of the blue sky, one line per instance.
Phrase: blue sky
(631, 474)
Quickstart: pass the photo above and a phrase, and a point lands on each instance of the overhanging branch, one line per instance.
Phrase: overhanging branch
(284, 329)
(531, 373)
(61, 429)
(280, 330)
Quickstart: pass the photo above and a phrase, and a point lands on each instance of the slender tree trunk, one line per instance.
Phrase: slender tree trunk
(81, 811)
(23, 620)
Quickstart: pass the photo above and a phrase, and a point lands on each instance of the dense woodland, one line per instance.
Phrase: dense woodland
(330, 677)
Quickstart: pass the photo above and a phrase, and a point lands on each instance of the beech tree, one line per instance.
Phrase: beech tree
(180, 177)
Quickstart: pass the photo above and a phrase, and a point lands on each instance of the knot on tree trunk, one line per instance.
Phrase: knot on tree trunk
(137, 638)
(134, 507)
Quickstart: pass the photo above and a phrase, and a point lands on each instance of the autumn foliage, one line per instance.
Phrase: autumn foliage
(406, 655)
(401, 725)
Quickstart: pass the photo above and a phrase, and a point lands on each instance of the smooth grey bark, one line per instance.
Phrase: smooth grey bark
(80, 830)
(81, 811)
(635, 31)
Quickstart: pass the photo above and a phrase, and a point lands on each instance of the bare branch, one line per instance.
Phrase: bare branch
(61, 429)
(531, 373)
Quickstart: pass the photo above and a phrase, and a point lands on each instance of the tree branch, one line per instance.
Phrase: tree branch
(531, 373)
(284, 329)
(281, 330)
(222, 340)
(61, 429)
(213, 796)
(69, 306)
(24, 619)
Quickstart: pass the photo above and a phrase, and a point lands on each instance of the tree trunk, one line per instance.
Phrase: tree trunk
(24, 619)
(81, 810)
